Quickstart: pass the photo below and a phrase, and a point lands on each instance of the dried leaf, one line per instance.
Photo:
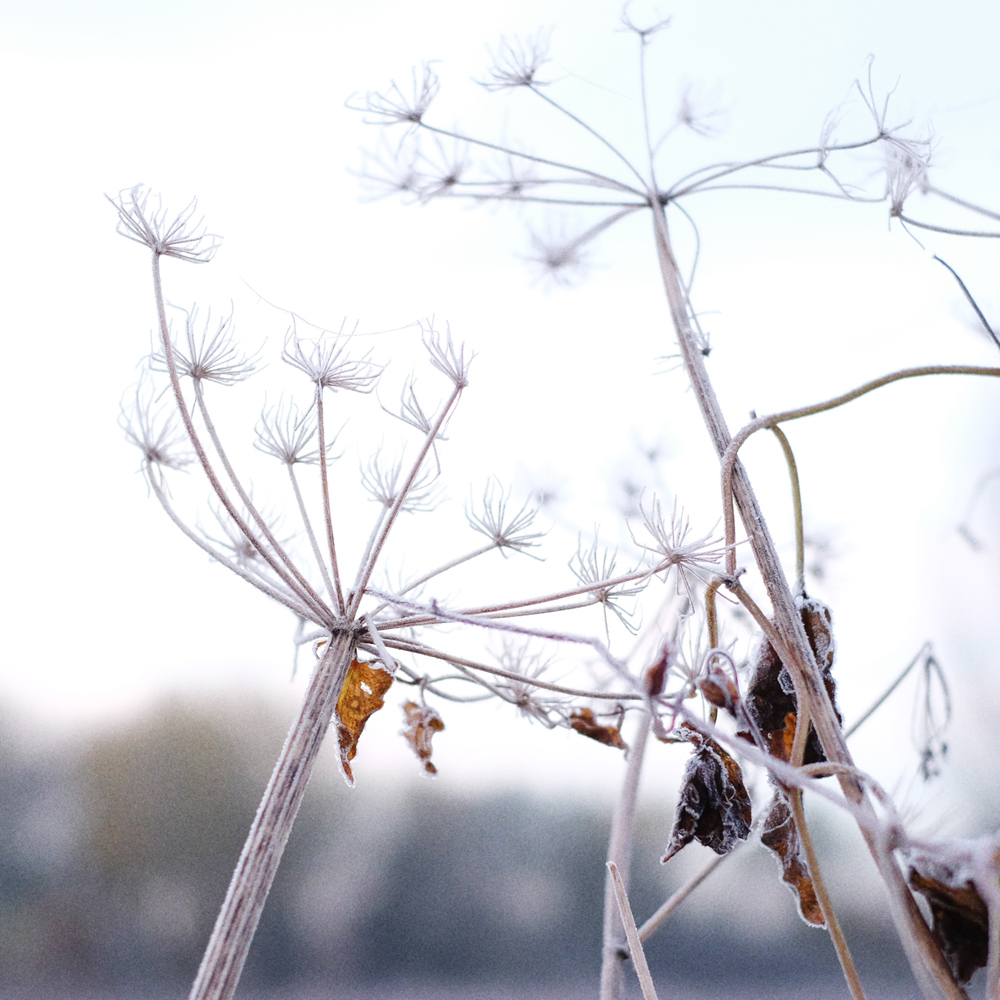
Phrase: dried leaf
(719, 690)
(781, 835)
(360, 697)
(713, 807)
(422, 722)
(771, 695)
(584, 722)
(959, 915)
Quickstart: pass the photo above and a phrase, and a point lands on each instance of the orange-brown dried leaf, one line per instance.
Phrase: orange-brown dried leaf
(584, 722)
(713, 806)
(422, 722)
(960, 919)
(781, 835)
(719, 690)
(771, 695)
(361, 696)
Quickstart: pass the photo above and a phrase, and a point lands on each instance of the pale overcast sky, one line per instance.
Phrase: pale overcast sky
(243, 105)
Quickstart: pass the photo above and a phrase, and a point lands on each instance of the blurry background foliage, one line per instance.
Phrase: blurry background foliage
(112, 868)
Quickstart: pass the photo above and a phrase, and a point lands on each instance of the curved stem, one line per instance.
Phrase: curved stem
(729, 454)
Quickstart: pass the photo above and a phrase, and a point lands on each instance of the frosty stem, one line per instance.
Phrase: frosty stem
(620, 854)
(234, 928)
(924, 954)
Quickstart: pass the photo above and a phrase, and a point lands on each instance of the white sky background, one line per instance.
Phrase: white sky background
(242, 105)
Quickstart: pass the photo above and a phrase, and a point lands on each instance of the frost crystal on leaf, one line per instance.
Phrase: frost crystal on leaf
(713, 807)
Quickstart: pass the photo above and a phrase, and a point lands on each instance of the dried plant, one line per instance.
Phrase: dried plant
(780, 706)
(680, 678)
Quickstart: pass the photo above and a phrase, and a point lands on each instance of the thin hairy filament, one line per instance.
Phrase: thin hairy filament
(610, 583)
(724, 169)
(419, 649)
(368, 564)
(287, 600)
(338, 594)
(668, 908)
(199, 449)
(793, 475)
(599, 179)
(587, 128)
(851, 730)
(729, 456)
(946, 229)
(971, 206)
(310, 534)
(309, 594)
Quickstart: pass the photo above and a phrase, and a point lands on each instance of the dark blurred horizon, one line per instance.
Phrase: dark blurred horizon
(116, 849)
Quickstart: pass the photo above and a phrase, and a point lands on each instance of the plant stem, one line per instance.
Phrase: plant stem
(924, 954)
(234, 928)
(620, 855)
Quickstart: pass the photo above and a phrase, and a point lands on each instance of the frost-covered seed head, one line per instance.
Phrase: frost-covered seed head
(166, 235)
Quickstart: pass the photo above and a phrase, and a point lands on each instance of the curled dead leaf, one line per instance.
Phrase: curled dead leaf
(713, 806)
(960, 918)
(781, 835)
(360, 697)
(585, 723)
(422, 722)
(770, 699)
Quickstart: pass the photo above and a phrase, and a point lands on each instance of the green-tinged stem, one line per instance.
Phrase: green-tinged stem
(227, 948)
(823, 897)
(793, 475)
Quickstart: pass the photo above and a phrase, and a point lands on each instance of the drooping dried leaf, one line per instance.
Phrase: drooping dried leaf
(713, 806)
(770, 696)
(781, 835)
(960, 919)
(422, 722)
(584, 722)
(361, 696)
(719, 690)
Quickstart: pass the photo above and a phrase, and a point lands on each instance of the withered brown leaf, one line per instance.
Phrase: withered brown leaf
(584, 722)
(361, 696)
(770, 698)
(713, 806)
(781, 835)
(422, 722)
(960, 918)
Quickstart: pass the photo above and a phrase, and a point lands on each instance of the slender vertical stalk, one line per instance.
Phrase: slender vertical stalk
(620, 854)
(811, 693)
(234, 929)
(338, 594)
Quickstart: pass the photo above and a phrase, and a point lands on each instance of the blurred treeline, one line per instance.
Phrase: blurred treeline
(115, 852)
